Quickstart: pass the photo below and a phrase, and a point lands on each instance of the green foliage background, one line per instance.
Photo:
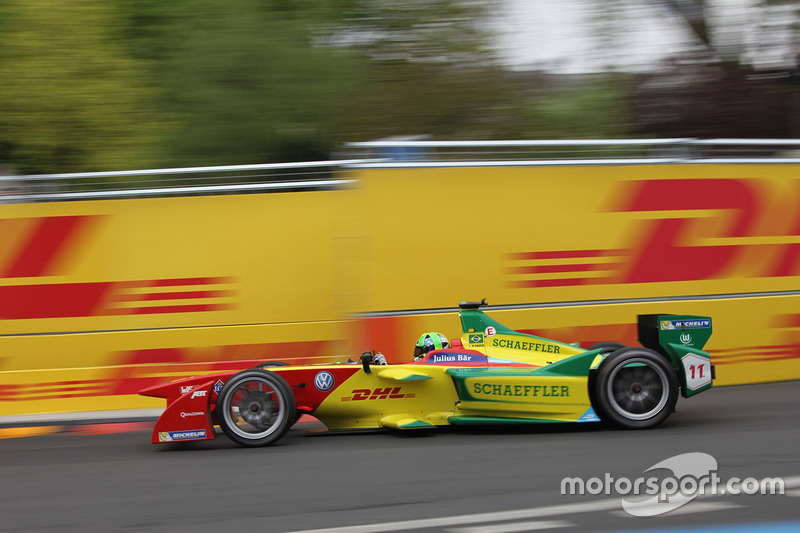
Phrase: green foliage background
(90, 85)
(72, 97)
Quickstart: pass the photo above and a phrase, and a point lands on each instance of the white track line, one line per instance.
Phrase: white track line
(513, 528)
(518, 514)
(609, 504)
(689, 508)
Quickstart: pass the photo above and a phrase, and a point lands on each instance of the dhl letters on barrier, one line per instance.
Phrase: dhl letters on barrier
(521, 235)
(99, 299)
(168, 262)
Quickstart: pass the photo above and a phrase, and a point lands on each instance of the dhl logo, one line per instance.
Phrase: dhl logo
(694, 229)
(55, 390)
(377, 394)
(35, 248)
(182, 295)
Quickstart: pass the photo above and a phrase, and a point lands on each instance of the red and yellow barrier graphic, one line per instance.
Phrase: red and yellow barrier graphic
(158, 296)
(702, 229)
(534, 235)
(42, 375)
(98, 299)
(553, 234)
(168, 262)
(34, 247)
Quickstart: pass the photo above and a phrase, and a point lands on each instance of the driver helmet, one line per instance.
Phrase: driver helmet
(429, 341)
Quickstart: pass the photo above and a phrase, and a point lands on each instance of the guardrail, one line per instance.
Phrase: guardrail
(319, 175)
(423, 153)
(391, 153)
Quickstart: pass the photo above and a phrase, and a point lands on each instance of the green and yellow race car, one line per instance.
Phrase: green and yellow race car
(491, 375)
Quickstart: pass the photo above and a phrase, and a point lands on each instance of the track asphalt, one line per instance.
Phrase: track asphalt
(80, 476)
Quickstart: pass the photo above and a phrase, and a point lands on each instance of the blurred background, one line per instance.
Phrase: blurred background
(115, 277)
(91, 85)
(171, 272)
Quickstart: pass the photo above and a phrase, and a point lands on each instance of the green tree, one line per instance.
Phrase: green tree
(279, 80)
(71, 96)
(430, 68)
(94, 85)
(583, 107)
(245, 79)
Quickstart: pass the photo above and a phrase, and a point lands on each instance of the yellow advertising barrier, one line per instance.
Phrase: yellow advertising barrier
(105, 370)
(539, 235)
(188, 282)
(167, 262)
(520, 235)
(98, 299)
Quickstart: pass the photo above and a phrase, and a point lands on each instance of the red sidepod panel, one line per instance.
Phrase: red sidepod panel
(313, 384)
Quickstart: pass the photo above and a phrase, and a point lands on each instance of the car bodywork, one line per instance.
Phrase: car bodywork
(492, 374)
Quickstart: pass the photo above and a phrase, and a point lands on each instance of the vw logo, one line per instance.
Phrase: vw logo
(686, 338)
(323, 381)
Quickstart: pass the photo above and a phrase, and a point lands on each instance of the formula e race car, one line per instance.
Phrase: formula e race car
(491, 375)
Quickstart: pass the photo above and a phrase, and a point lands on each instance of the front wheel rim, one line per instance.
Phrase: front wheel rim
(638, 392)
(254, 408)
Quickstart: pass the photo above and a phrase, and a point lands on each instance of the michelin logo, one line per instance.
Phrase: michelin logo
(686, 324)
(175, 436)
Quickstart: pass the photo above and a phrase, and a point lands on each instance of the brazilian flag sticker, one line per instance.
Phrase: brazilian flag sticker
(476, 338)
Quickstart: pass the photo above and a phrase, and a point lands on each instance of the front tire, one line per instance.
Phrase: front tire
(256, 408)
(270, 364)
(635, 388)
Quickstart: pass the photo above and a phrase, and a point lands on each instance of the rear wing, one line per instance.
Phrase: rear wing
(681, 338)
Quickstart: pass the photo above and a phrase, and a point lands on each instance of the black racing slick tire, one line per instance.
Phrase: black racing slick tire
(635, 388)
(606, 346)
(256, 408)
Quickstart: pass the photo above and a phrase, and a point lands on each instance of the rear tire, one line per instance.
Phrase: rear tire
(635, 388)
(256, 408)
(607, 346)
